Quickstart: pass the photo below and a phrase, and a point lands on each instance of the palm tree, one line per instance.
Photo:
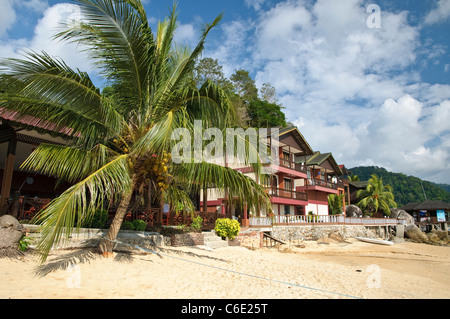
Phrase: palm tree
(120, 141)
(376, 196)
(336, 203)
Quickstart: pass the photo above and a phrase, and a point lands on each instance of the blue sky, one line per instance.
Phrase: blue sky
(370, 95)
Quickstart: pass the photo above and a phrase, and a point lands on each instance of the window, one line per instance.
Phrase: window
(287, 209)
(288, 184)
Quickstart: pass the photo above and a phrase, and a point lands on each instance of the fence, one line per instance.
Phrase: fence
(321, 219)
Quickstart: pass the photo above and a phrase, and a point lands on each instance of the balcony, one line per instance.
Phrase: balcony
(287, 194)
(312, 182)
(295, 166)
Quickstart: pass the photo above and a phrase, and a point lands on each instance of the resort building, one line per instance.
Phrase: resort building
(324, 177)
(298, 184)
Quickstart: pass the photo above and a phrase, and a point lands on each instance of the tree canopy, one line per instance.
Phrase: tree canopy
(376, 197)
(257, 108)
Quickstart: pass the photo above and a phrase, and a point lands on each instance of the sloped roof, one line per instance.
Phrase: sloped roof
(318, 158)
(299, 137)
(29, 122)
(432, 205)
(426, 205)
(409, 206)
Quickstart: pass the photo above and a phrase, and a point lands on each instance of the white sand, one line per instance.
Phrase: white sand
(358, 269)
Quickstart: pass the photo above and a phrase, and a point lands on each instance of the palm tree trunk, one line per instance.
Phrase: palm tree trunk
(107, 244)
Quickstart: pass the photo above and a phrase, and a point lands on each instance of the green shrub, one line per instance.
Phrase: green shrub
(99, 219)
(226, 227)
(197, 223)
(24, 243)
(127, 225)
(139, 224)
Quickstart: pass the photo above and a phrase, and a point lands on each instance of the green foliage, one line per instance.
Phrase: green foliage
(226, 227)
(139, 224)
(376, 197)
(265, 114)
(197, 223)
(99, 219)
(24, 243)
(406, 189)
(336, 203)
(210, 69)
(127, 225)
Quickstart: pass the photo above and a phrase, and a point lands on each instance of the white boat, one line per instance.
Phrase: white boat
(375, 241)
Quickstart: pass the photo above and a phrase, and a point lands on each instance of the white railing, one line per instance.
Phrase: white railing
(321, 219)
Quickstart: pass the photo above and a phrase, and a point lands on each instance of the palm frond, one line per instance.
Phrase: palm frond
(70, 164)
(50, 91)
(80, 201)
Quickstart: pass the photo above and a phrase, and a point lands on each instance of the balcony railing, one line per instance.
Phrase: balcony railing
(319, 219)
(324, 183)
(284, 193)
(295, 166)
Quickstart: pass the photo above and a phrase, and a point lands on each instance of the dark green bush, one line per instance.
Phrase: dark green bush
(99, 219)
(139, 225)
(127, 225)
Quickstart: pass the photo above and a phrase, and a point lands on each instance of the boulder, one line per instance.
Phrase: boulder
(336, 236)
(434, 238)
(353, 211)
(442, 234)
(401, 214)
(415, 234)
(11, 231)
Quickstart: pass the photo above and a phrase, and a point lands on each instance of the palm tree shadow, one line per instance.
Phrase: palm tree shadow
(89, 251)
(63, 262)
(124, 253)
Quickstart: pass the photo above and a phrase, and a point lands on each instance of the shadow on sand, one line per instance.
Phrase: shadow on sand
(123, 253)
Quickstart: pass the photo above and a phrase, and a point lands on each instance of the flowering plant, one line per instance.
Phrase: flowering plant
(226, 227)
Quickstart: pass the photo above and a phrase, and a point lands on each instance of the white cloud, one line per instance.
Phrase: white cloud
(349, 87)
(256, 4)
(7, 16)
(236, 42)
(185, 34)
(42, 39)
(35, 5)
(440, 13)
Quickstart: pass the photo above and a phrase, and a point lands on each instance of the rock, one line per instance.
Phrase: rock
(11, 231)
(442, 234)
(401, 214)
(336, 237)
(324, 240)
(353, 211)
(433, 238)
(415, 234)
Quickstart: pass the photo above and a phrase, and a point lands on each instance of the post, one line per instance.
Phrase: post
(8, 171)
(245, 221)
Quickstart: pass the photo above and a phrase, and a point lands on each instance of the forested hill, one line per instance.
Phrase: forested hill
(406, 188)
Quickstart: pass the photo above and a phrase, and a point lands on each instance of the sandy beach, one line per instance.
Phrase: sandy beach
(319, 271)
